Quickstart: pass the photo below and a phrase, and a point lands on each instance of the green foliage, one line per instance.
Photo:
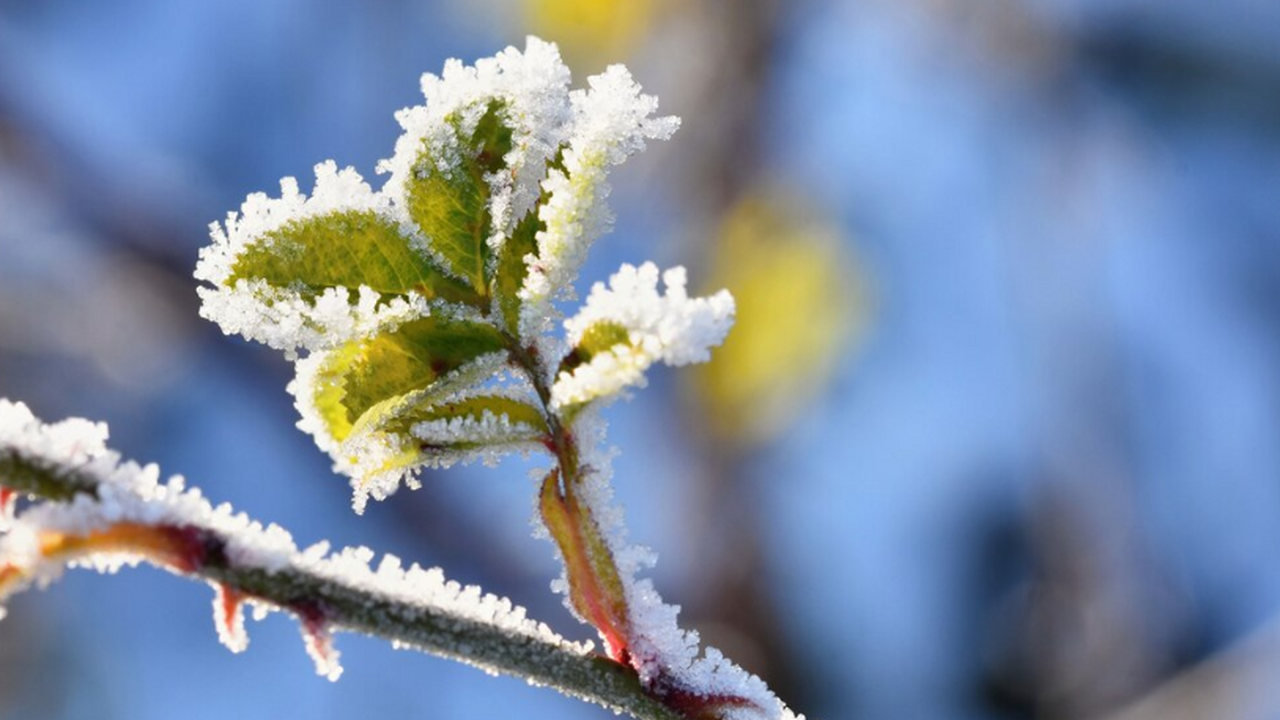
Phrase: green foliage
(475, 408)
(600, 337)
(378, 374)
(344, 249)
(512, 269)
(451, 206)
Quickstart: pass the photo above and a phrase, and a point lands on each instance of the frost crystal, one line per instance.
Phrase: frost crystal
(666, 656)
(288, 271)
(671, 328)
(283, 318)
(426, 311)
(534, 88)
(135, 518)
(611, 121)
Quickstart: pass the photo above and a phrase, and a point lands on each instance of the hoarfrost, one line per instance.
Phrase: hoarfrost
(132, 497)
(228, 618)
(671, 328)
(281, 317)
(665, 656)
(378, 462)
(533, 87)
(611, 121)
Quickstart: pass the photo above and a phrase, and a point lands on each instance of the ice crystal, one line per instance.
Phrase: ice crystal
(671, 328)
(534, 88)
(666, 656)
(611, 120)
(286, 271)
(135, 517)
(439, 347)
(282, 317)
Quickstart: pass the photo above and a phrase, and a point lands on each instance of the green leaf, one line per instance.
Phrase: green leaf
(373, 376)
(344, 249)
(516, 411)
(512, 269)
(452, 208)
(395, 418)
(600, 337)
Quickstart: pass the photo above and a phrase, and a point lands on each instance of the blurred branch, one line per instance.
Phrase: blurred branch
(1237, 684)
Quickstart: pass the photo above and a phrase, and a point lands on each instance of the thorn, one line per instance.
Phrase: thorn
(319, 640)
(228, 617)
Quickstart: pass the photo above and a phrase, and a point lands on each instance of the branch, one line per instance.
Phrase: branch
(309, 587)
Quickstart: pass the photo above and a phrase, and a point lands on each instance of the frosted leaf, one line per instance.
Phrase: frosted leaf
(488, 429)
(611, 121)
(532, 87)
(282, 267)
(381, 452)
(260, 215)
(671, 328)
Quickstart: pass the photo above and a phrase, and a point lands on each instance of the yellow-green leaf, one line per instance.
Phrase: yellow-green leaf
(600, 337)
(452, 207)
(512, 269)
(373, 374)
(516, 411)
(344, 249)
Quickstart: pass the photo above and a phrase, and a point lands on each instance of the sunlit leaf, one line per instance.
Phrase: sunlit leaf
(344, 249)
(451, 206)
(365, 374)
(473, 408)
(600, 337)
(512, 269)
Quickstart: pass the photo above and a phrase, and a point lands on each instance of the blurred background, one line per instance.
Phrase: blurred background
(997, 434)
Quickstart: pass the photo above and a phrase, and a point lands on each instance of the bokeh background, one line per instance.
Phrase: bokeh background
(997, 435)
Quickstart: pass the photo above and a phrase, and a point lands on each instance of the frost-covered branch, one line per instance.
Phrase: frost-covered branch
(101, 513)
(425, 313)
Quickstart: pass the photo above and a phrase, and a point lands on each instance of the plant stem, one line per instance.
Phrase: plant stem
(595, 590)
(355, 609)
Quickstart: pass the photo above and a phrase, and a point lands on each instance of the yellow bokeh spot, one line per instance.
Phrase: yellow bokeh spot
(801, 300)
(592, 31)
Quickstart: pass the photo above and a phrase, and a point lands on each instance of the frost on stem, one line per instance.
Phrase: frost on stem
(425, 314)
(131, 517)
(403, 296)
(699, 683)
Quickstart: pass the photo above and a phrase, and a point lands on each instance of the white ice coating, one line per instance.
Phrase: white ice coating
(534, 88)
(659, 647)
(378, 462)
(611, 120)
(671, 328)
(128, 492)
(280, 317)
(595, 128)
